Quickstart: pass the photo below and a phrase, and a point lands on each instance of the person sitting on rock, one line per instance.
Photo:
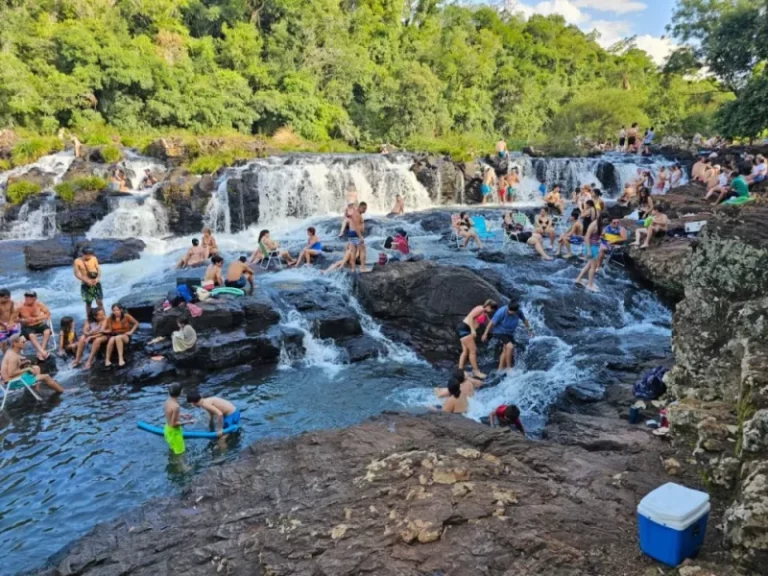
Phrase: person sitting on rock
(12, 372)
(705, 171)
(574, 235)
(120, 326)
(213, 278)
(239, 274)
(506, 415)
(222, 413)
(185, 337)
(209, 243)
(92, 331)
(519, 233)
(457, 402)
(194, 257)
(149, 180)
(544, 226)
(313, 248)
(627, 196)
(739, 187)
(657, 227)
(503, 327)
(676, 177)
(34, 317)
(713, 179)
(723, 184)
(9, 319)
(759, 170)
(399, 208)
(67, 336)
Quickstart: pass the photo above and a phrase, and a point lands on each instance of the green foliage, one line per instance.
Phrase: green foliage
(111, 154)
(32, 149)
(65, 191)
(359, 73)
(68, 191)
(210, 163)
(5, 165)
(19, 191)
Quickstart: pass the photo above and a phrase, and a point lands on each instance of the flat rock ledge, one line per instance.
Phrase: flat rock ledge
(398, 495)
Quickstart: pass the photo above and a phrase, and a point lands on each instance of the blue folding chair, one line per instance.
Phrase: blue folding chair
(482, 229)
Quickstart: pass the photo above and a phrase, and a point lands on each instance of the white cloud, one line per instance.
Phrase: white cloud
(564, 8)
(617, 6)
(611, 31)
(658, 48)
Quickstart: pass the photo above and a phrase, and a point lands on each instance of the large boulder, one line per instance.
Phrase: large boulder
(186, 197)
(328, 313)
(396, 496)
(62, 250)
(441, 177)
(422, 302)
(243, 196)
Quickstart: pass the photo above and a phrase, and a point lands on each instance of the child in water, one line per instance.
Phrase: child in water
(67, 336)
(506, 416)
(173, 432)
(225, 413)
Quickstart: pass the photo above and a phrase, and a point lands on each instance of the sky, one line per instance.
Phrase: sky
(613, 19)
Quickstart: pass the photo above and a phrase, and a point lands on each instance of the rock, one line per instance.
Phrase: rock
(493, 256)
(421, 303)
(44, 180)
(328, 314)
(362, 348)
(441, 177)
(662, 264)
(62, 250)
(172, 149)
(186, 198)
(745, 524)
(755, 435)
(672, 466)
(243, 200)
(245, 517)
(689, 570)
(143, 300)
(96, 155)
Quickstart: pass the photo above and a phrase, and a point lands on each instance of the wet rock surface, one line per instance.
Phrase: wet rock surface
(435, 494)
(62, 251)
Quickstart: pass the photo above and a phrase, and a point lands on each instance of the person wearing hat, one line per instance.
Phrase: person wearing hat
(34, 317)
(88, 271)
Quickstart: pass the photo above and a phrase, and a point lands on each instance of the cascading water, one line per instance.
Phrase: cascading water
(34, 224)
(53, 165)
(132, 216)
(217, 214)
(313, 185)
(135, 166)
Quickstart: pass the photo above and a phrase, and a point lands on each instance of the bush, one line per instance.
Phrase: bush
(31, 150)
(111, 154)
(210, 163)
(89, 184)
(65, 191)
(19, 191)
(5, 165)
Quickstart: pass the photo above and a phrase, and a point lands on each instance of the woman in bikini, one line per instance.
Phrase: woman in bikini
(467, 331)
(120, 327)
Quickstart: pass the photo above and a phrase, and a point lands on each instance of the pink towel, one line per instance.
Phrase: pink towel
(196, 311)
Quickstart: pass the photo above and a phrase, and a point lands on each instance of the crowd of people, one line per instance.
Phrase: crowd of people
(731, 181)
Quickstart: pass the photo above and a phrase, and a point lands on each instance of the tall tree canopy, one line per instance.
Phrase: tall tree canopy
(356, 70)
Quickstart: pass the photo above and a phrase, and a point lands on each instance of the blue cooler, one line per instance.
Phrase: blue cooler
(672, 521)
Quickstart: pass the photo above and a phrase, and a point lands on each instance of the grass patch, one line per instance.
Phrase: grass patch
(65, 191)
(5, 165)
(111, 154)
(210, 163)
(19, 191)
(68, 191)
(32, 149)
(460, 147)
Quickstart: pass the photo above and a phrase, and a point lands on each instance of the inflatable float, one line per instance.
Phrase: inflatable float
(192, 434)
(739, 200)
(227, 290)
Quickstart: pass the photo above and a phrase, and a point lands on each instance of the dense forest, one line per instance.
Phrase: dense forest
(406, 72)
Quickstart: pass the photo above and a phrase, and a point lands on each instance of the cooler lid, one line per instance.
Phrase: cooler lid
(675, 506)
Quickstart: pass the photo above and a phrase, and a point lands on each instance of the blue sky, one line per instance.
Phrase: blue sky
(614, 19)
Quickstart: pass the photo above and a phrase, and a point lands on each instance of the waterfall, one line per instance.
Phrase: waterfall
(314, 185)
(34, 224)
(132, 216)
(54, 165)
(217, 215)
(135, 165)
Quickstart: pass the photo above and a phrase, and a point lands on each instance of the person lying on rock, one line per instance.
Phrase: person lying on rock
(12, 372)
(213, 277)
(506, 415)
(222, 413)
(503, 327)
(195, 256)
(467, 383)
(239, 274)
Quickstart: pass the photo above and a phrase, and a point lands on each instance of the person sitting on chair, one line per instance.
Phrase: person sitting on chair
(268, 247)
(34, 317)
(13, 374)
(613, 235)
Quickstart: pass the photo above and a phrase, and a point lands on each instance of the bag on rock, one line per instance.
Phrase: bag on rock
(202, 294)
(651, 385)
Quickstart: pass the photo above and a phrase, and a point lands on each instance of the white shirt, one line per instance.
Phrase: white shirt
(759, 169)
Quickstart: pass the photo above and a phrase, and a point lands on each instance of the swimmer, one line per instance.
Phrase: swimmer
(468, 384)
(13, 373)
(195, 256)
(223, 413)
(467, 331)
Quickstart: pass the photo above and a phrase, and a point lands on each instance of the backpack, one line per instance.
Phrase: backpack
(651, 385)
(184, 292)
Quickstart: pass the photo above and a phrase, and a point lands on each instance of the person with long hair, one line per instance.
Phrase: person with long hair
(592, 250)
(467, 331)
(67, 336)
(92, 332)
(120, 327)
(268, 247)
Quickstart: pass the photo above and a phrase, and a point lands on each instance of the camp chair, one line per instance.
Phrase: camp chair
(53, 343)
(24, 382)
(517, 218)
(267, 257)
(481, 227)
(619, 253)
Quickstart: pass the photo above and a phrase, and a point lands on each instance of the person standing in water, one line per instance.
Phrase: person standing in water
(195, 256)
(632, 143)
(313, 248)
(173, 431)
(622, 139)
(501, 149)
(356, 237)
(239, 274)
(457, 402)
(503, 327)
(592, 250)
(222, 413)
(88, 271)
(11, 369)
(489, 183)
(467, 331)
(92, 331)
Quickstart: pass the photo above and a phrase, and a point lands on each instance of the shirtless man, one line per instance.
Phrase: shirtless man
(513, 183)
(501, 149)
(195, 256)
(658, 227)
(34, 315)
(239, 274)
(213, 272)
(713, 180)
(11, 367)
(399, 207)
(457, 402)
(9, 319)
(88, 271)
(554, 200)
(356, 237)
(223, 413)
(488, 185)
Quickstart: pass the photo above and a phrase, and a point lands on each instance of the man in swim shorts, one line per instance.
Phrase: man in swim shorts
(356, 237)
(489, 183)
(173, 432)
(12, 372)
(503, 326)
(501, 148)
(239, 274)
(88, 271)
(34, 317)
(9, 319)
(224, 413)
(194, 257)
